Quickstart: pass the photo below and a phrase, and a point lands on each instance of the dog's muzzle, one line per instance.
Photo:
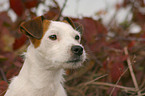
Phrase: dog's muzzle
(77, 51)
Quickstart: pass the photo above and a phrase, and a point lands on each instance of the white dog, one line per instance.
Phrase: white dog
(54, 46)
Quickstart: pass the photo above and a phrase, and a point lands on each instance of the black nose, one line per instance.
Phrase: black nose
(77, 50)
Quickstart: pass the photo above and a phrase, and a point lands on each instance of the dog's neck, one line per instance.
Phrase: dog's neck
(34, 72)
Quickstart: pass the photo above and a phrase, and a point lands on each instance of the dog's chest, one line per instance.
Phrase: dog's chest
(47, 91)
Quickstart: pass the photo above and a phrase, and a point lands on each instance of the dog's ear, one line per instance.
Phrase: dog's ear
(79, 27)
(75, 25)
(69, 21)
(33, 28)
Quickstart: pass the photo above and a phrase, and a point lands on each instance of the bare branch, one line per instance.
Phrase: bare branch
(131, 71)
(3, 75)
(60, 13)
(114, 85)
(96, 79)
(118, 81)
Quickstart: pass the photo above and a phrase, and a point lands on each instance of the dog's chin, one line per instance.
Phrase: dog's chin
(72, 64)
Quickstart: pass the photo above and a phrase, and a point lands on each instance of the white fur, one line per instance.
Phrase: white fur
(43, 69)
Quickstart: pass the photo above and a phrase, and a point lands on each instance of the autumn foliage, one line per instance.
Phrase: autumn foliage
(106, 53)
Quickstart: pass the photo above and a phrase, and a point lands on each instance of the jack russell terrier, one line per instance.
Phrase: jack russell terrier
(54, 46)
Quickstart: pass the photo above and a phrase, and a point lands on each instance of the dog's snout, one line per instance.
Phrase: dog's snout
(77, 50)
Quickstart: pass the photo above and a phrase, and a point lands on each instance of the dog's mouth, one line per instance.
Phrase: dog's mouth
(74, 61)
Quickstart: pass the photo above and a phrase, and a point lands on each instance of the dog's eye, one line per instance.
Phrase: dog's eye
(53, 37)
(77, 37)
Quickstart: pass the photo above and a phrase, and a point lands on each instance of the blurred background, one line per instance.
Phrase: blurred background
(114, 38)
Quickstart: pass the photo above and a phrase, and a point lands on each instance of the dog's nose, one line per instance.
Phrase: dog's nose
(77, 50)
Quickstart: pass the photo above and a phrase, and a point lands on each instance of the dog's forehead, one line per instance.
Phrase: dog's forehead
(54, 26)
(61, 27)
(58, 28)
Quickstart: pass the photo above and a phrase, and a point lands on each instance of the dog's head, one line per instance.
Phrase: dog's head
(56, 43)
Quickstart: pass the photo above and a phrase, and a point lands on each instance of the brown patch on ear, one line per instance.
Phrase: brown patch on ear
(37, 42)
(46, 24)
(33, 28)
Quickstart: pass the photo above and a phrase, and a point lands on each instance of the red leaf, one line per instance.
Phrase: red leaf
(19, 42)
(31, 3)
(4, 18)
(52, 13)
(131, 44)
(115, 45)
(3, 87)
(94, 33)
(115, 92)
(11, 73)
(139, 17)
(126, 2)
(17, 6)
(118, 6)
(19, 61)
(10, 58)
(116, 71)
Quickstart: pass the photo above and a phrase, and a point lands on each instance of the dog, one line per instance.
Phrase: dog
(54, 46)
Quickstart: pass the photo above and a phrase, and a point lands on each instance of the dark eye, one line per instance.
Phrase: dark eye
(53, 37)
(77, 37)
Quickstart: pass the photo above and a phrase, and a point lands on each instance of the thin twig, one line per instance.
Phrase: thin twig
(131, 71)
(56, 4)
(118, 81)
(143, 94)
(60, 13)
(3, 75)
(75, 89)
(63, 7)
(89, 82)
(3, 92)
(80, 72)
(114, 85)
(142, 85)
(142, 89)
(96, 79)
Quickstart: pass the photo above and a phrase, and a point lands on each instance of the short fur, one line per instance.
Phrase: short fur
(43, 68)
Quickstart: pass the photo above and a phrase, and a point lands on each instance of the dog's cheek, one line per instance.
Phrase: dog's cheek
(41, 51)
(60, 53)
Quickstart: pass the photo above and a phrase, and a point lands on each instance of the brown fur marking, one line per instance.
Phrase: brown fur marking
(37, 42)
